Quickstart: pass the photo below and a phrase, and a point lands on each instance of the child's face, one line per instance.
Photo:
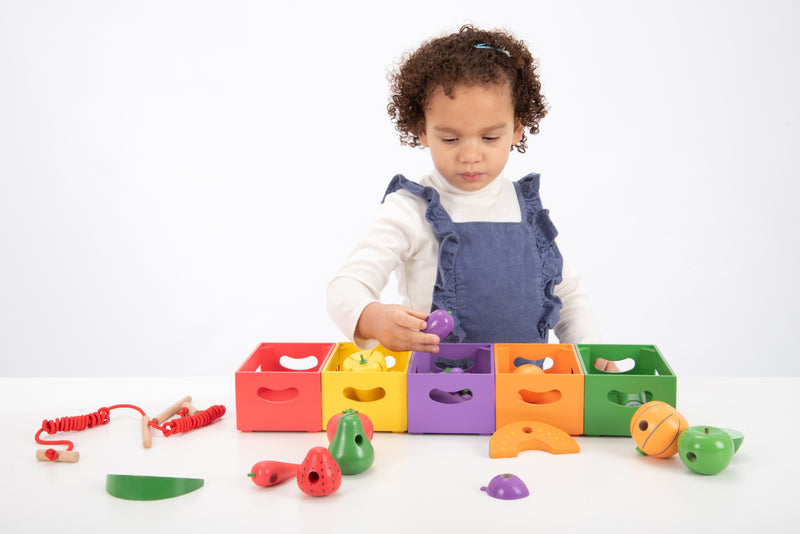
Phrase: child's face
(470, 136)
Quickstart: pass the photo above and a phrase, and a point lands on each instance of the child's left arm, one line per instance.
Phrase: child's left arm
(577, 322)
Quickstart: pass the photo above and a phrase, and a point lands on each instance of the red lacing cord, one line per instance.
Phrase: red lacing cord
(190, 422)
(103, 416)
(80, 422)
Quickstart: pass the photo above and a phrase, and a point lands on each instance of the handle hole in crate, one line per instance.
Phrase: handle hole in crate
(298, 364)
(539, 397)
(622, 398)
(450, 397)
(543, 364)
(278, 395)
(364, 395)
(623, 366)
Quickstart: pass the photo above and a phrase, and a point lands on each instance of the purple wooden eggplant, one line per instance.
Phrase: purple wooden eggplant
(440, 322)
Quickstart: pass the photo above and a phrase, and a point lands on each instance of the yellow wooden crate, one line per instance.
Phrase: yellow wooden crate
(380, 395)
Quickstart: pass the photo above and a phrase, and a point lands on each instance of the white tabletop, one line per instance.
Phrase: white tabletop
(418, 482)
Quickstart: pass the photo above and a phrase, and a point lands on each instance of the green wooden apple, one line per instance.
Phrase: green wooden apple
(706, 449)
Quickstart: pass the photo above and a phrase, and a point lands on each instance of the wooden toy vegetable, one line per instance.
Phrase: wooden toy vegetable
(350, 447)
(333, 424)
(655, 427)
(450, 397)
(447, 365)
(268, 473)
(440, 322)
(319, 474)
(365, 361)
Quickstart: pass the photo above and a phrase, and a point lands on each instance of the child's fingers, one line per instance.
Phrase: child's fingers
(423, 347)
(404, 339)
(422, 342)
(418, 314)
(433, 349)
(410, 319)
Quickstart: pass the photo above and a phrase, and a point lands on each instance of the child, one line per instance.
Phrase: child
(464, 238)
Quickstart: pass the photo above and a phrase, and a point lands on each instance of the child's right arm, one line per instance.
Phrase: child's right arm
(353, 296)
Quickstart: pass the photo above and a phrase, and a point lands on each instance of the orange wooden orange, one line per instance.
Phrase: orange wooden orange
(655, 427)
(529, 369)
(509, 439)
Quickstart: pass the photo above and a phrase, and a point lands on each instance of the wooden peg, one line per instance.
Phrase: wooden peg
(191, 409)
(172, 410)
(147, 442)
(61, 456)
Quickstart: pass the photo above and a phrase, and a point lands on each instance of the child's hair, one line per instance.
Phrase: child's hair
(470, 57)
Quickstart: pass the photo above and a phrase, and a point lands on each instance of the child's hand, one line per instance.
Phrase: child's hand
(396, 327)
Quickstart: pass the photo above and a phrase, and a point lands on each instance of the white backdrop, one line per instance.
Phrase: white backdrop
(179, 180)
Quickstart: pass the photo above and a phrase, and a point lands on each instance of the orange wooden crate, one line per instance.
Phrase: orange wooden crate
(554, 397)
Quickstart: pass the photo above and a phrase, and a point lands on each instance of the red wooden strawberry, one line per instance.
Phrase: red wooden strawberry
(319, 474)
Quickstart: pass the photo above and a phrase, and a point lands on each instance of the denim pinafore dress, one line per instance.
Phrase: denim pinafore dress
(496, 278)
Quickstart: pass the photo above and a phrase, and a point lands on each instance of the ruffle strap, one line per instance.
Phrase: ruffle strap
(444, 294)
(552, 262)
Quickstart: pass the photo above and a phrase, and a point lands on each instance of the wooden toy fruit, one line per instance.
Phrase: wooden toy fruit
(350, 447)
(333, 423)
(737, 437)
(150, 488)
(510, 439)
(319, 474)
(367, 360)
(268, 473)
(705, 449)
(506, 487)
(655, 427)
(440, 322)
(528, 369)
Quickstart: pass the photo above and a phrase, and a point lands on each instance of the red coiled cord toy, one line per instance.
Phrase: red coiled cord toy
(186, 422)
(189, 419)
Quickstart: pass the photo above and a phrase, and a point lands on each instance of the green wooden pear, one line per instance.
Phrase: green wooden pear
(350, 447)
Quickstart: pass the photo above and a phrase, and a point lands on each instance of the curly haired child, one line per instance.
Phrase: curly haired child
(463, 238)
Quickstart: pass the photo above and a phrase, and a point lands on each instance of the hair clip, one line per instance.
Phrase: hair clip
(484, 46)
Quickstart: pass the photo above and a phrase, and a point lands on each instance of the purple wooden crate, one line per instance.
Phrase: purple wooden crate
(454, 402)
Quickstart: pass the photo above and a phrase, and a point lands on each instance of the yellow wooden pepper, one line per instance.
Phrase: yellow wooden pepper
(372, 361)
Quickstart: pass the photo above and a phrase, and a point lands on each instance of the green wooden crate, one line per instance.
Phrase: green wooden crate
(610, 399)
